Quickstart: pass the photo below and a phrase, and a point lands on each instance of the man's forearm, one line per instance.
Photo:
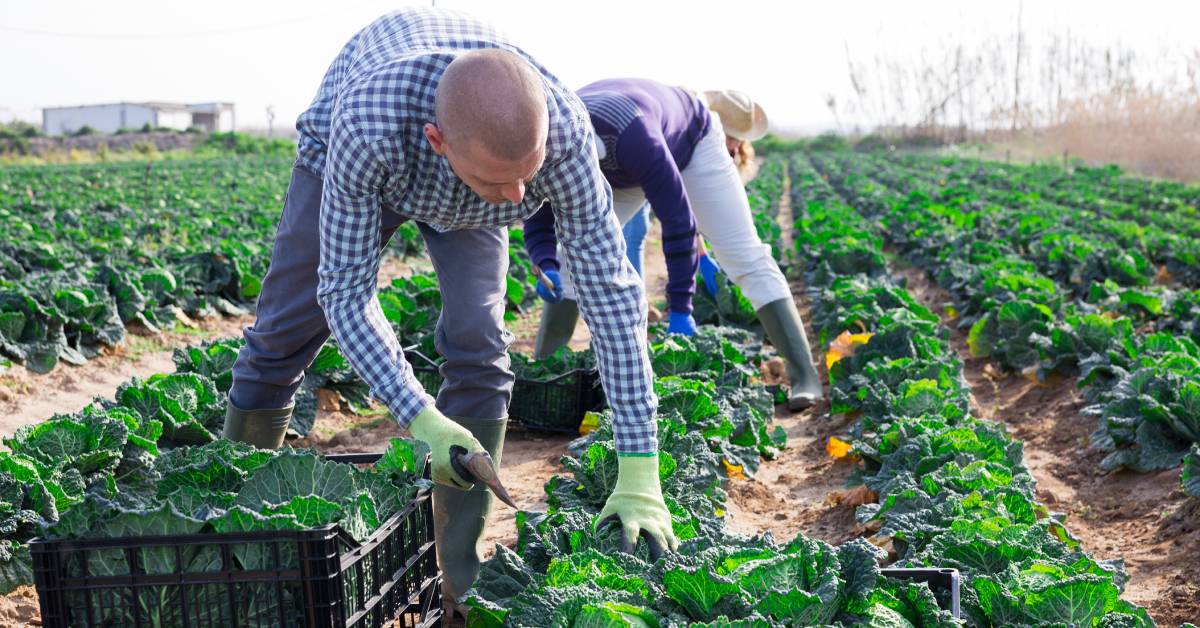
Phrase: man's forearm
(615, 313)
(366, 338)
(674, 211)
(540, 241)
(681, 276)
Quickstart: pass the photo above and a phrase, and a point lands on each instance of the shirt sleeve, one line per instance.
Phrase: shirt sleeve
(540, 242)
(610, 293)
(350, 253)
(642, 152)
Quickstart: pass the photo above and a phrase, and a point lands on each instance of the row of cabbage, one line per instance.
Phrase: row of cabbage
(953, 490)
(1140, 261)
(1046, 298)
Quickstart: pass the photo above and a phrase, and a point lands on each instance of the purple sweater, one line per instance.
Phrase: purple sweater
(649, 131)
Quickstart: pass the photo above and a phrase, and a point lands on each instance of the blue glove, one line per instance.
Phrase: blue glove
(708, 272)
(681, 323)
(548, 296)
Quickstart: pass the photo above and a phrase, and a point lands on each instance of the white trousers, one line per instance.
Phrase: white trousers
(722, 214)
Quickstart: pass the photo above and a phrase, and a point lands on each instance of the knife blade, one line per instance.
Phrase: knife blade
(478, 467)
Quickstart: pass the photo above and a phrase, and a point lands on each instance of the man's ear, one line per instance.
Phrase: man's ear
(436, 139)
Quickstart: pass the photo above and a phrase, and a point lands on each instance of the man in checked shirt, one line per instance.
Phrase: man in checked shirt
(431, 116)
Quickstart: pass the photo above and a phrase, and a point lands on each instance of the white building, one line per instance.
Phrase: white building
(211, 116)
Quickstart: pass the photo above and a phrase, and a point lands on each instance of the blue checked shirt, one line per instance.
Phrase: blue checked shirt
(364, 135)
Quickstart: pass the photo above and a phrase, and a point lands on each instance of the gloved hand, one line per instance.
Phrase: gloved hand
(548, 296)
(637, 504)
(681, 323)
(708, 272)
(440, 433)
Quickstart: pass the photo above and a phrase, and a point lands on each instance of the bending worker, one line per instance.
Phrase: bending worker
(431, 116)
(663, 144)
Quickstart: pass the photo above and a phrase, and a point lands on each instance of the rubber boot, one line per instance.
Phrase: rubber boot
(264, 429)
(786, 331)
(557, 327)
(459, 518)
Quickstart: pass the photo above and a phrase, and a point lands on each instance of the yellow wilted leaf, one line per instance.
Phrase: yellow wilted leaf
(882, 542)
(734, 471)
(852, 497)
(843, 346)
(591, 420)
(837, 448)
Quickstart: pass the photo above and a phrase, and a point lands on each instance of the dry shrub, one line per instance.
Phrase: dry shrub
(1147, 132)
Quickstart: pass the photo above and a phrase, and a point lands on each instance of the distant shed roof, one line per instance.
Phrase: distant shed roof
(153, 104)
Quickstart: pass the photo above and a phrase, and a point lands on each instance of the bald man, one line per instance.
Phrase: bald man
(430, 116)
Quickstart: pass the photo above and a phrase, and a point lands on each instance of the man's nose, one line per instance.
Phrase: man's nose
(513, 191)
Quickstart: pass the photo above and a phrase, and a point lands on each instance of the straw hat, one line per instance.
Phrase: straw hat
(742, 118)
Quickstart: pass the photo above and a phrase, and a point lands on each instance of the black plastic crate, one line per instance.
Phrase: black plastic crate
(943, 582)
(319, 578)
(556, 405)
(425, 369)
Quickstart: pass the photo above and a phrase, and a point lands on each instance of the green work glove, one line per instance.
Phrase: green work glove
(637, 503)
(440, 433)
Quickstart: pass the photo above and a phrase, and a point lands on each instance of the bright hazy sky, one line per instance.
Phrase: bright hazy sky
(786, 53)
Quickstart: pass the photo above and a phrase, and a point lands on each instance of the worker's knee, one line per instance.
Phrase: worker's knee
(477, 389)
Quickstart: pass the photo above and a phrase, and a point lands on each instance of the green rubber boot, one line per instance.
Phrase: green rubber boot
(786, 331)
(557, 327)
(264, 429)
(459, 518)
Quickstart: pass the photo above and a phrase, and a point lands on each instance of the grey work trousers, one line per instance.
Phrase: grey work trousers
(471, 266)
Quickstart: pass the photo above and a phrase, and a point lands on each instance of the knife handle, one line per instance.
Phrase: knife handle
(456, 455)
(543, 279)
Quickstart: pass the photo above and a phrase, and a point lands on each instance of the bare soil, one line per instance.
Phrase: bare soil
(20, 608)
(530, 458)
(26, 397)
(1144, 518)
(803, 489)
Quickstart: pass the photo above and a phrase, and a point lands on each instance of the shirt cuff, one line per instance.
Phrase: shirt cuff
(409, 401)
(636, 439)
(681, 303)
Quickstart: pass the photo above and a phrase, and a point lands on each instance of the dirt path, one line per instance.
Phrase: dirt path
(26, 397)
(803, 490)
(20, 608)
(1144, 518)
